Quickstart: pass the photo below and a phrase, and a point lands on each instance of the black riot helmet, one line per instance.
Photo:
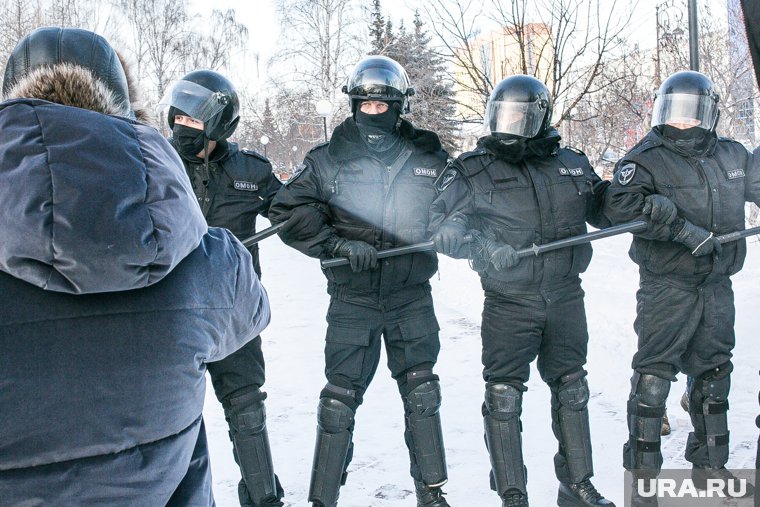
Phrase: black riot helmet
(689, 98)
(206, 96)
(50, 46)
(519, 106)
(378, 78)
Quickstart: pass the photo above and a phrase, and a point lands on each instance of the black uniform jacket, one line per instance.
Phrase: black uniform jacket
(238, 186)
(709, 190)
(364, 199)
(536, 200)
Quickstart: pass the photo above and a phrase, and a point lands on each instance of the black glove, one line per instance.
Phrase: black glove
(361, 255)
(305, 222)
(660, 209)
(700, 241)
(449, 237)
(502, 256)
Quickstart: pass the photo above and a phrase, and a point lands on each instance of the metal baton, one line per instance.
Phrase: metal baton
(737, 235)
(382, 254)
(269, 231)
(637, 226)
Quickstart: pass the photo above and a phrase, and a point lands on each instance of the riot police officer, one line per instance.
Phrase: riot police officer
(370, 189)
(233, 187)
(691, 185)
(516, 189)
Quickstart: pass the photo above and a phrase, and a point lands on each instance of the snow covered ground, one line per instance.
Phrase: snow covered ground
(379, 473)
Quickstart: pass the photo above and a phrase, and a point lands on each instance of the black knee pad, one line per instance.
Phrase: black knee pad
(646, 408)
(503, 429)
(334, 416)
(503, 401)
(572, 391)
(425, 399)
(707, 445)
(245, 412)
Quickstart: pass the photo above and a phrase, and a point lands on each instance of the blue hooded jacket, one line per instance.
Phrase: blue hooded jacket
(114, 296)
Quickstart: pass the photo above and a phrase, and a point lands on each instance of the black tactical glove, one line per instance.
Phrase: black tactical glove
(450, 236)
(700, 241)
(502, 256)
(305, 222)
(361, 255)
(660, 209)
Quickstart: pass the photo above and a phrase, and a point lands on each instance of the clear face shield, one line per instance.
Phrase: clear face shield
(194, 100)
(523, 119)
(685, 110)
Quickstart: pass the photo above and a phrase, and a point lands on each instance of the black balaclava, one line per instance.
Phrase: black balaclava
(379, 131)
(188, 141)
(691, 141)
(514, 149)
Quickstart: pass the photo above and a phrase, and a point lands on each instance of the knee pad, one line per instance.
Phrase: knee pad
(646, 407)
(570, 424)
(501, 419)
(572, 392)
(708, 407)
(245, 412)
(334, 416)
(503, 401)
(425, 399)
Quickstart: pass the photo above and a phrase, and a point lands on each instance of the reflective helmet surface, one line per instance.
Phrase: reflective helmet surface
(378, 78)
(206, 96)
(688, 98)
(518, 106)
(49, 46)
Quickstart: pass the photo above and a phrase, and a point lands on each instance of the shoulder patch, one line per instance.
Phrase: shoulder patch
(254, 154)
(298, 171)
(446, 178)
(626, 173)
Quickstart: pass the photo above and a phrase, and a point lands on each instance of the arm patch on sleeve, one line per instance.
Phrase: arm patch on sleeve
(446, 178)
(626, 173)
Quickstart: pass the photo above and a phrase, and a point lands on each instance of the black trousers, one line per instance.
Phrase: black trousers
(358, 320)
(682, 328)
(243, 369)
(518, 328)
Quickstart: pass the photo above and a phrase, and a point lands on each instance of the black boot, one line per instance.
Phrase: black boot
(429, 496)
(580, 494)
(514, 498)
(732, 485)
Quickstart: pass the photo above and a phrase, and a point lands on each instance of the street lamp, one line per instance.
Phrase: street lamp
(264, 141)
(324, 109)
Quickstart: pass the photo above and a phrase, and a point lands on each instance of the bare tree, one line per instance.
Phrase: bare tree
(565, 43)
(21, 17)
(213, 51)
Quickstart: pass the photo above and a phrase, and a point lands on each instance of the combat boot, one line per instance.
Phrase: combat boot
(700, 476)
(665, 430)
(580, 494)
(514, 499)
(429, 496)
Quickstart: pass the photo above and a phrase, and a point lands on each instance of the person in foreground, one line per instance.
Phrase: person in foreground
(369, 189)
(116, 293)
(519, 188)
(691, 185)
(233, 187)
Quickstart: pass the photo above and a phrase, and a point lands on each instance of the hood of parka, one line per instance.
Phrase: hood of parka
(89, 202)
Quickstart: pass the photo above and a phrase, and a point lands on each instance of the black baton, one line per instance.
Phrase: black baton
(269, 231)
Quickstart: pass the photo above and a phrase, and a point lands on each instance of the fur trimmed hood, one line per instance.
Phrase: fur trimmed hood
(76, 86)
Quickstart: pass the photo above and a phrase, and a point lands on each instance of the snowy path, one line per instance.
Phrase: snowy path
(378, 475)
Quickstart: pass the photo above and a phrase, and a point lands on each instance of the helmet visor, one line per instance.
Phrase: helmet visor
(378, 83)
(685, 109)
(522, 119)
(194, 100)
